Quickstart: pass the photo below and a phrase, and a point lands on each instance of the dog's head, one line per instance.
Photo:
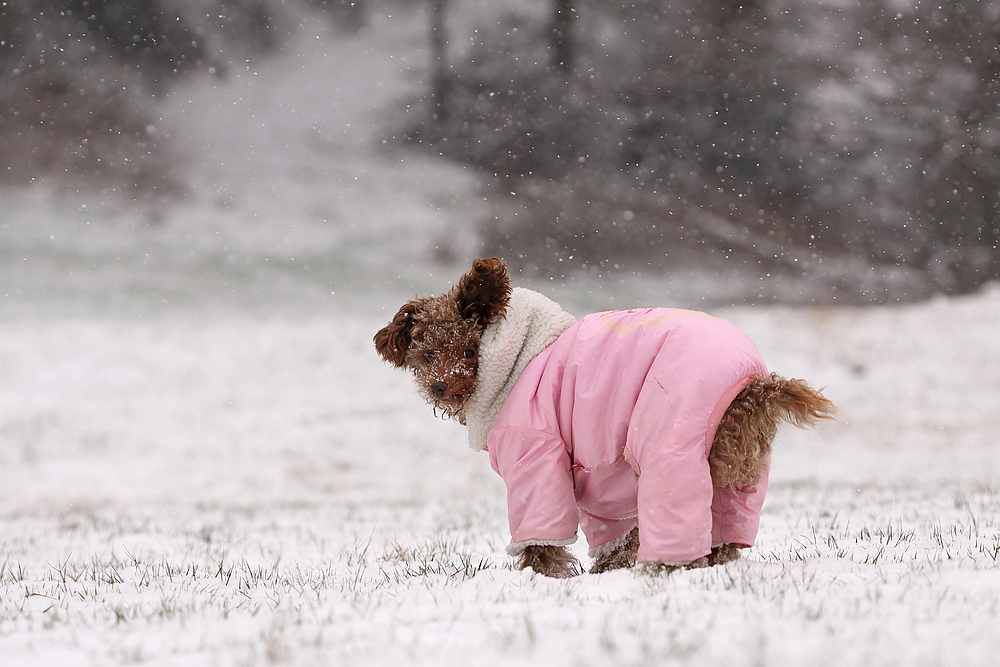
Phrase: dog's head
(438, 337)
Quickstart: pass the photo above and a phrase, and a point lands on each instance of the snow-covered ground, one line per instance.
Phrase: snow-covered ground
(266, 490)
(203, 462)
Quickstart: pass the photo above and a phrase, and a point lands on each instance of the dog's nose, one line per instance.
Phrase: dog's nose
(438, 389)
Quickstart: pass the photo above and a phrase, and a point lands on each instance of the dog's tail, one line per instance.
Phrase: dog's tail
(743, 440)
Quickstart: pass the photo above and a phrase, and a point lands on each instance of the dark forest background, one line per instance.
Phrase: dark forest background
(786, 135)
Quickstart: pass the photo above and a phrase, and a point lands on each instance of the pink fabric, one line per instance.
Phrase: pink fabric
(610, 425)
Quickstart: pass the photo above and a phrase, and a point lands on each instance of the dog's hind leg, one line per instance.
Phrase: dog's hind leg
(723, 554)
(741, 452)
(742, 442)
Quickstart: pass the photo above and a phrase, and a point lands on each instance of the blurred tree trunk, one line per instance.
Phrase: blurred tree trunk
(562, 36)
(439, 60)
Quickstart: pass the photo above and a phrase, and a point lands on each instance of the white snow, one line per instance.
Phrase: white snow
(203, 462)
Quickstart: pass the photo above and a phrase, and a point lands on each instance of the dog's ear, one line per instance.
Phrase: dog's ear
(483, 292)
(392, 341)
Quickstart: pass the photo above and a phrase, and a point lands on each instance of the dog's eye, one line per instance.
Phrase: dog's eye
(469, 354)
(428, 357)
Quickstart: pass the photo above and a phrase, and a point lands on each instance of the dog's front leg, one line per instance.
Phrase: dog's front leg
(622, 554)
(552, 561)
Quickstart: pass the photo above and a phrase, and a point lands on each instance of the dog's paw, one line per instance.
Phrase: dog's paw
(655, 569)
(621, 556)
(724, 554)
(663, 569)
(704, 561)
(549, 560)
(721, 554)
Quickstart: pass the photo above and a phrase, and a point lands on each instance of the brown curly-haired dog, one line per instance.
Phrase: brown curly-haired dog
(440, 339)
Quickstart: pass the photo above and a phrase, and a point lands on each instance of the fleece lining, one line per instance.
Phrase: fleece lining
(532, 322)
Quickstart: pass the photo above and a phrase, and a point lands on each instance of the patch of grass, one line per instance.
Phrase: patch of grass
(840, 575)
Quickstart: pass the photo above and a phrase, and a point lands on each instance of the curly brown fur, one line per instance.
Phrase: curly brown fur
(724, 554)
(625, 555)
(622, 556)
(549, 560)
(743, 440)
(437, 338)
(482, 293)
(720, 555)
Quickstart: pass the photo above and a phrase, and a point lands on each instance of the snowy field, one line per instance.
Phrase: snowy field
(266, 491)
(203, 462)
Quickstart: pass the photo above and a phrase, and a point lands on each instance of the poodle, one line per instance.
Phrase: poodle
(648, 429)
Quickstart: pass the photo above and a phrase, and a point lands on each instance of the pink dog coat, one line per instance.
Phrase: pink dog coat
(608, 422)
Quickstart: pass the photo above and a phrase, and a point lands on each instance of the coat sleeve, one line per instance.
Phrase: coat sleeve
(541, 502)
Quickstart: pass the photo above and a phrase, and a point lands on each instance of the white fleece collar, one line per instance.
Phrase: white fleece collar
(532, 322)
